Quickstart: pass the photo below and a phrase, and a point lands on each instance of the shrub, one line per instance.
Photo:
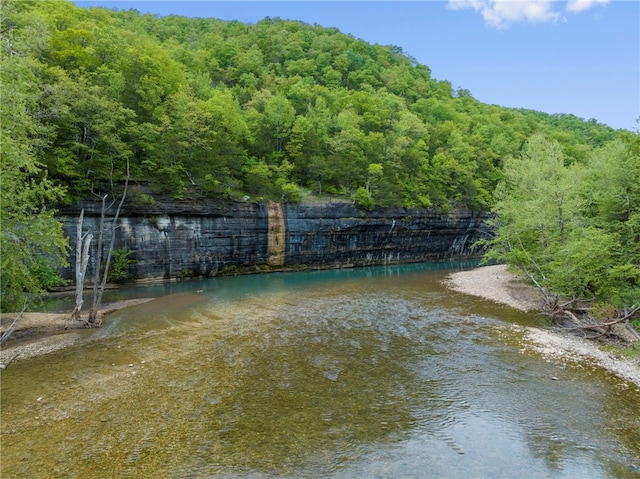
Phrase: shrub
(119, 267)
(363, 199)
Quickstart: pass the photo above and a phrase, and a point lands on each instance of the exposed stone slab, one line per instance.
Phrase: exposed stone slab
(178, 239)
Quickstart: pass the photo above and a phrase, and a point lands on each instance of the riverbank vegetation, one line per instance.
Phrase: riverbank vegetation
(283, 110)
(573, 229)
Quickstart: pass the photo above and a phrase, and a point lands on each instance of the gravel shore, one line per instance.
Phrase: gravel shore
(42, 333)
(497, 284)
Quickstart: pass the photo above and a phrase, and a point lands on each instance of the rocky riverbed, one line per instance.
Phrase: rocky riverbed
(42, 333)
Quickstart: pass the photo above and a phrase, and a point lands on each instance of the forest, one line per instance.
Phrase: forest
(286, 111)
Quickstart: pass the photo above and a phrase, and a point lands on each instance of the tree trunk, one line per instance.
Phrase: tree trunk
(11, 328)
(82, 260)
(96, 276)
(100, 280)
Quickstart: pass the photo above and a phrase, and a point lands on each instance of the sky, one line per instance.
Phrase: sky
(579, 57)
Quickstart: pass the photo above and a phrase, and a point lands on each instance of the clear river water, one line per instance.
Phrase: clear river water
(363, 373)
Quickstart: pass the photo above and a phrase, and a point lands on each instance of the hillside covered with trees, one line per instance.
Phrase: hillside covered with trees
(224, 109)
(279, 110)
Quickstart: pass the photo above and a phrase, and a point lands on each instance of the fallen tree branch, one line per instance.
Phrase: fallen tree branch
(574, 319)
(632, 329)
(600, 327)
(12, 328)
(626, 317)
(577, 304)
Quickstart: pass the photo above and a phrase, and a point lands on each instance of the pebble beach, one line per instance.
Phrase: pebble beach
(496, 283)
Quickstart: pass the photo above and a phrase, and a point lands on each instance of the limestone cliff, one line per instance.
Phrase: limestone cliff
(172, 239)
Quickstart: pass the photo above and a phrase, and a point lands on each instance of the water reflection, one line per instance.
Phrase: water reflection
(363, 373)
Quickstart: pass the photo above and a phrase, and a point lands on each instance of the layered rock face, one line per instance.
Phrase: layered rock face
(173, 239)
(339, 235)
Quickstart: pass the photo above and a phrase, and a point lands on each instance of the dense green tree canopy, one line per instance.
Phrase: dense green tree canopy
(573, 227)
(31, 240)
(215, 108)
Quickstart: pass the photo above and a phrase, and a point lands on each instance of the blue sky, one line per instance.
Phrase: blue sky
(577, 56)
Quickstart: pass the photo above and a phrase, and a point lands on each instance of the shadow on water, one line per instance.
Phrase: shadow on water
(376, 372)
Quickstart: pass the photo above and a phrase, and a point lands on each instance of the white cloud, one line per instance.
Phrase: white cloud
(578, 6)
(502, 13)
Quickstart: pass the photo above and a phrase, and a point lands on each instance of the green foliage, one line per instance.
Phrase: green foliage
(571, 227)
(290, 193)
(137, 198)
(31, 240)
(580, 266)
(223, 109)
(45, 272)
(258, 178)
(629, 352)
(120, 262)
(363, 199)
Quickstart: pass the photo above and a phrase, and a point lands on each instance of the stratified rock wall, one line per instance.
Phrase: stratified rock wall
(339, 235)
(173, 239)
(179, 239)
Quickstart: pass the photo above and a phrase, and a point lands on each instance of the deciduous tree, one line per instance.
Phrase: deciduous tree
(32, 244)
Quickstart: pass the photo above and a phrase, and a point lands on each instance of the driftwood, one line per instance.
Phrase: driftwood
(580, 319)
(575, 316)
(577, 312)
(632, 330)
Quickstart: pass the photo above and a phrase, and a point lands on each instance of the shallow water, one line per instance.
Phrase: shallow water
(377, 372)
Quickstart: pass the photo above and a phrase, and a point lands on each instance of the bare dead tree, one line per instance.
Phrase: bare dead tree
(100, 277)
(83, 242)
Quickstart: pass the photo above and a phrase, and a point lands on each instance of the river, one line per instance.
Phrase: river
(364, 373)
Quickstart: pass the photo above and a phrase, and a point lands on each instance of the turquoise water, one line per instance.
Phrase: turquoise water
(377, 372)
